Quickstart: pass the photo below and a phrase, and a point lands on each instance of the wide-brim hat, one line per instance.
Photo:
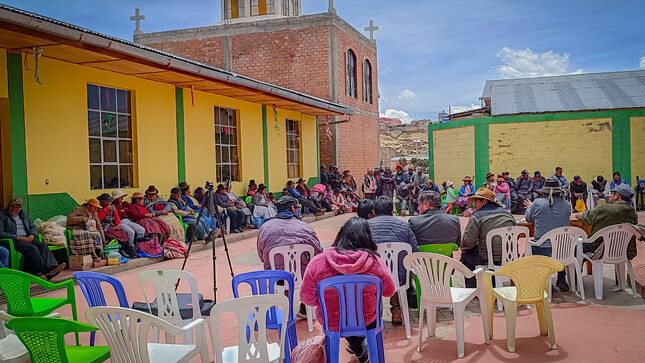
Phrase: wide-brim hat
(500, 178)
(118, 193)
(484, 193)
(467, 178)
(183, 185)
(93, 202)
(300, 180)
(449, 183)
(137, 195)
(105, 197)
(551, 184)
(151, 190)
(489, 175)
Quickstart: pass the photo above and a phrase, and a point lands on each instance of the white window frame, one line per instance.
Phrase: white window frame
(220, 147)
(290, 135)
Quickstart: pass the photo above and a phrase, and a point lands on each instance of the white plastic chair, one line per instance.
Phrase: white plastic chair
(164, 281)
(11, 348)
(563, 249)
(126, 332)
(250, 311)
(292, 257)
(510, 250)
(615, 240)
(434, 272)
(389, 253)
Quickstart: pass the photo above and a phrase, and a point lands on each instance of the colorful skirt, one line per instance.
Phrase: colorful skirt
(176, 229)
(153, 225)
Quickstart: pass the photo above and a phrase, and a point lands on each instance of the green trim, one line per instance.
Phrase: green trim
(482, 159)
(17, 125)
(621, 146)
(430, 155)
(181, 141)
(265, 145)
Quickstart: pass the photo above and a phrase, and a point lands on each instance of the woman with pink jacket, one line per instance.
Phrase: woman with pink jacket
(353, 252)
(502, 192)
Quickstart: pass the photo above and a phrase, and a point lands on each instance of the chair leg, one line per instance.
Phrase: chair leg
(458, 312)
(630, 270)
(381, 351)
(432, 321)
(484, 313)
(544, 329)
(287, 347)
(597, 279)
(293, 336)
(372, 345)
(581, 287)
(311, 311)
(510, 310)
(403, 302)
(620, 273)
(490, 307)
(550, 287)
(422, 309)
(332, 347)
(498, 283)
(92, 337)
(549, 320)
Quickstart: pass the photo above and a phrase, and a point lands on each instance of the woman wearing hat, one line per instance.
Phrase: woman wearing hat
(87, 232)
(134, 230)
(162, 210)
(466, 190)
(138, 213)
(502, 192)
(450, 196)
(261, 204)
(111, 223)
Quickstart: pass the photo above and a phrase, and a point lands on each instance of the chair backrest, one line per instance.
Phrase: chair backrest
(434, 271)
(250, 311)
(563, 242)
(389, 253)
(90, 284)
(15, 287)
(531, 276)
(350, 294)
(615, 241)
(44, 338)
(510, 243)
(164, 285)
(126, 331)
(292, 257)
(264, 282)
(445, 249)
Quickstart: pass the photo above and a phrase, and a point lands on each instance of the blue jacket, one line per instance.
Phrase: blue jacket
(401, 177)
(435, 188)
(613, 183)
(462, 191)
(385, 229)
(294, 193)
(190, 203)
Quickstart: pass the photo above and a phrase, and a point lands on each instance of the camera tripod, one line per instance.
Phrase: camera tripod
(215, 221)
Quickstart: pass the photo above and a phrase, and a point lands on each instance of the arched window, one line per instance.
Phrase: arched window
(351, 74)
(367, 81)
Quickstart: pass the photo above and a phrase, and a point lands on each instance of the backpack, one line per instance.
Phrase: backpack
(174, 249)
(312, 350)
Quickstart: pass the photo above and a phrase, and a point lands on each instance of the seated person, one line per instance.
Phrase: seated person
(87, 231)
(617, 211)
(16, 226)
(285, 229)
(488, 215)
(252, 188)
(402, 198)
(353, 252)
(413, 202)
(111, 222)
(293, 192)
(200, 193)
(466, 190)
(337, 202)
(599, 189)
(262, 206)
(431, 186)
(524, 190)
(236, 216)
(511, 187)
(303, 189)
(578, 190)
(564, 183)
(135, 231)
(502, 192)
(4, 257)
(617, 180)
(538, 183)
(490, 181)
(163, 211)
(432, 226)
(180, 208)
(240, 205)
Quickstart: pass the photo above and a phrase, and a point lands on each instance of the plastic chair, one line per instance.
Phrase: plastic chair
(16, 260)
(250, 311)
(164, 281)
(262, 283)
(292, 257)
(44, 338)
(444, 249)
(563, 249)
(181, 220)
(434, 272)
(90, 284)
(510, 249)
(352, 321)
(531, 278)
(389, 253)
(126, 332)
(11, 349)
(15, 286)
(615, 240)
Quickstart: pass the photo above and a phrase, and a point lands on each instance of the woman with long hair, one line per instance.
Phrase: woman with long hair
(353, 252)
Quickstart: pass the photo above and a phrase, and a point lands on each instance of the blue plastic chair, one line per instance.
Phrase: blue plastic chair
(352, 321)
(90, 284)
(264, 282)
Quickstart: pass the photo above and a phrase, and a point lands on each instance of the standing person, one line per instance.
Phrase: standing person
(400, 177)
(236, 216)
(488, 215)
(334, 176)
(511, 188)
(353, 252)
(450, 197)
(599, 189)
(466, 190)
(87, 232)
(564, 183)
(578, 190)
(134, 230)
(16, 226)
(490, 181)
(524, 190)
(369, 185)
(419, 179)
(387, 183)
(410, 173)
(538, 183)
(502, 192)
(432, 226)
(548, 214)
(324, 176)
(111, 222)
(617, 180)
(285, 229)
(379, 182)
(385, 228)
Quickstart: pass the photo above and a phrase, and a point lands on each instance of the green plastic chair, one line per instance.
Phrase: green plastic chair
(15, 287)
(44, 338)
(248, 200)
(15, 256)
(181, 220)
(445, 249)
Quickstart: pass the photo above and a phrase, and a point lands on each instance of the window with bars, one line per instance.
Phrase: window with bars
(351, 74)
(226, 145)
(367, 81)
(293, 149)
(109, 114)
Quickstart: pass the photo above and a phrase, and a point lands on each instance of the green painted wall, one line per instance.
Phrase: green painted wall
(17, 125)
(181, 141)
(482, 164)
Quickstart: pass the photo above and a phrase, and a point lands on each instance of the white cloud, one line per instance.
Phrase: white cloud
(406, 94)
(457, 109)
(642, 62)
(401, 115)
(520, 63)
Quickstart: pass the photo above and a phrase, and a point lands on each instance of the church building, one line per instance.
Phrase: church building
(319, 54)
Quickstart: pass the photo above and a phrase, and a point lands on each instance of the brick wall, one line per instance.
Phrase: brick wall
(206, 50)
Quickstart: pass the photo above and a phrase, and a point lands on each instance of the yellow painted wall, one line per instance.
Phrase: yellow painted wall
(454, 154)
(57, 130)
(637, 125)
(581, 147)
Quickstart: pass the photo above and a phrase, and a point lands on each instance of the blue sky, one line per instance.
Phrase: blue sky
(431, 54)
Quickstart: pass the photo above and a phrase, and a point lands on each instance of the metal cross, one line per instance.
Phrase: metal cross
(137, 19)
(371, 29)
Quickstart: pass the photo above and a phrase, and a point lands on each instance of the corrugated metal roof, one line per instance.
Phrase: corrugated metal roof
(593, 91)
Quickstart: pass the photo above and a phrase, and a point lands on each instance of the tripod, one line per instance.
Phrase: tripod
(215, 218)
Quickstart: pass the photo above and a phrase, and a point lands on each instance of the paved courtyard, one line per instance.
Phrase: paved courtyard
(590, 331)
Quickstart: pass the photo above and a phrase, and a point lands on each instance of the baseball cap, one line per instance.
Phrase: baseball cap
(14, 201)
